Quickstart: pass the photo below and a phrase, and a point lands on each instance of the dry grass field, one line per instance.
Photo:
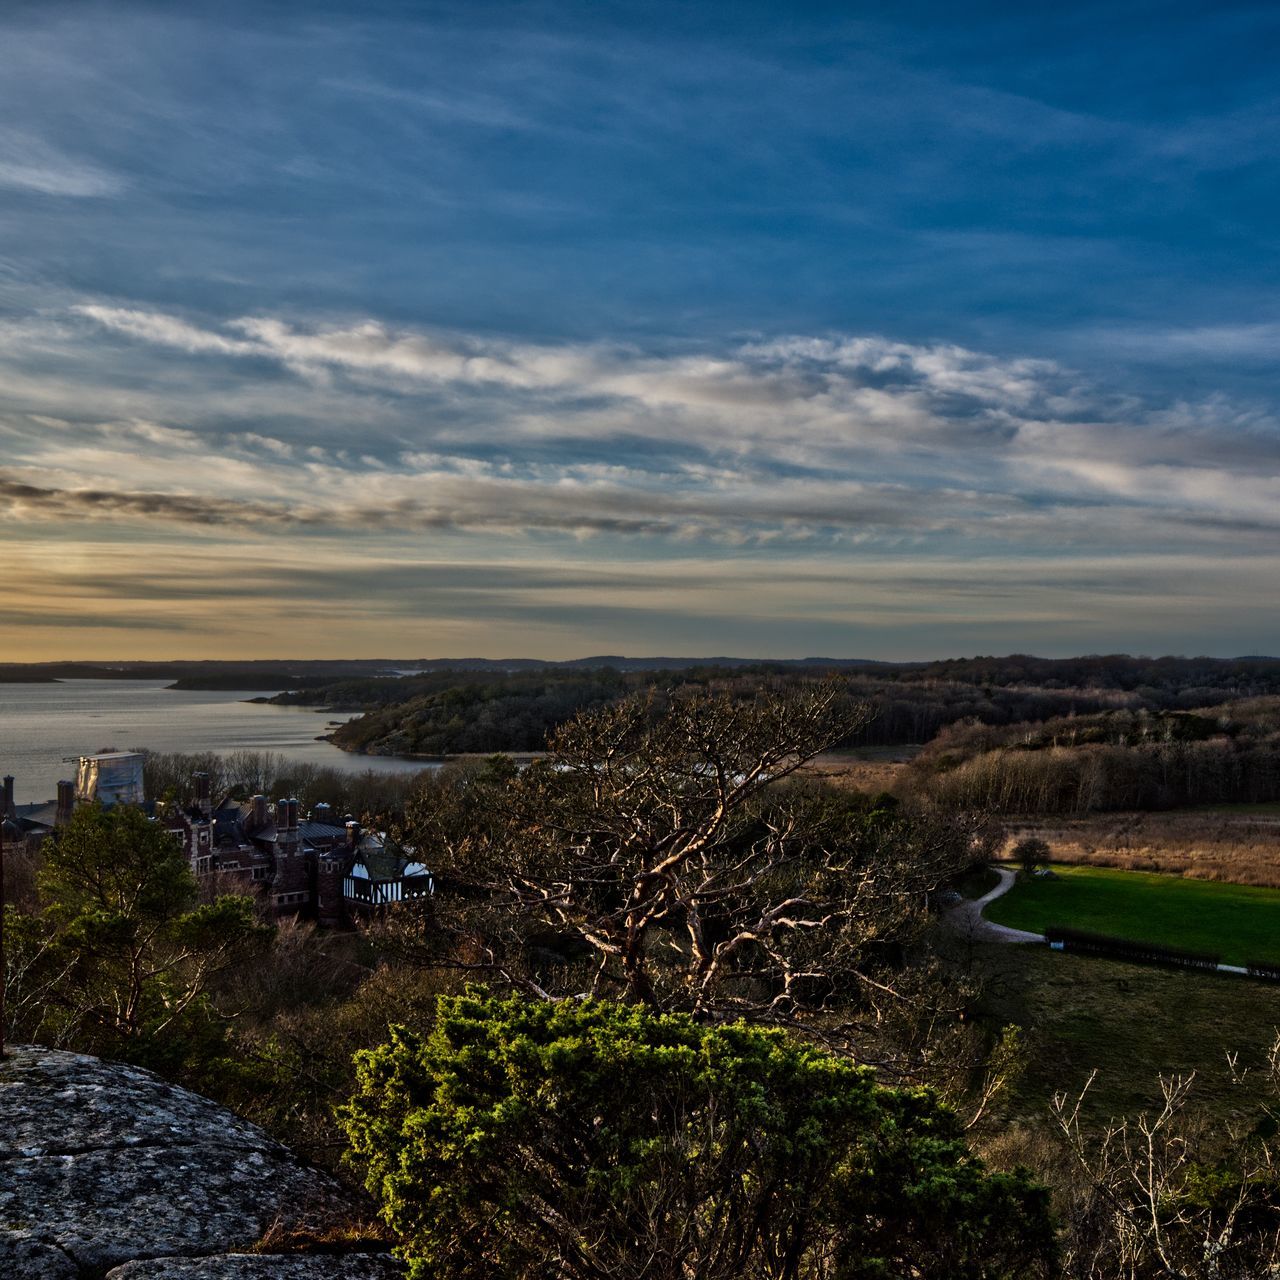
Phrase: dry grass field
(869, 769)
(1237, 844)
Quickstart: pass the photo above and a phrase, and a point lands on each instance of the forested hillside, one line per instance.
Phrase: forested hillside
(1117, 760)
(444, 712)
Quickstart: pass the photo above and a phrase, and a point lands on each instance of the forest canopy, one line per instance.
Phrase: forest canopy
(453, 711)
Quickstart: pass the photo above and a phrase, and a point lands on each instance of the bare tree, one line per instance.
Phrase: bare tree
(664, 853)
(1166, 1195)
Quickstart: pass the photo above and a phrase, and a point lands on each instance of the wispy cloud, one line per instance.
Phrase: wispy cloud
(281, 598)
(1217, 342)
(818, 393)
(166, 330)
(833, 442)
(27, 164)
(20, 501)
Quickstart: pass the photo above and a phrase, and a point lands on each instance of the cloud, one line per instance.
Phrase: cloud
(21, 501)
(255, 319)
(1259, 340)
(27, 164)
(828, 440)
(894, 383)
(799, 392)
(582, 502)
(485, 110)
(333, 598)
(165, 330)
(18, 620)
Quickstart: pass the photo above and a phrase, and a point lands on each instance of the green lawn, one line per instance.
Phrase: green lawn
(1132, 1024)
(1239, 922)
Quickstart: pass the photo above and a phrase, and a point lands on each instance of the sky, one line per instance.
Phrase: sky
(553, 329)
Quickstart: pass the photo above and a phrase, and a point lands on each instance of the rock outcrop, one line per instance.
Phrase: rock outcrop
(106, 1169)
(260, 1267)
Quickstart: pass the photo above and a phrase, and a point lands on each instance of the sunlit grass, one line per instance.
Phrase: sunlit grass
(1238, 922)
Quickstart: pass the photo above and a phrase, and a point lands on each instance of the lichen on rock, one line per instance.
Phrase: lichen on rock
(260, 1267)
(104, 1164)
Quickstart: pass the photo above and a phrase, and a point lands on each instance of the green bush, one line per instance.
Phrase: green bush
(576, 1139)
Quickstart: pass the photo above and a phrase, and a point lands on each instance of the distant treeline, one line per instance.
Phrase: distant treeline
(168, 775)
(1236, 677)
(449, 711)
(1119, 760)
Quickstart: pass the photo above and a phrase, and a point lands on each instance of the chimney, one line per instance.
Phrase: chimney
(322, 813)
(259, 811)
(353, 833)
(282, 815)
(293, 814)
(7, 800)
(66, 801)
(203, 801)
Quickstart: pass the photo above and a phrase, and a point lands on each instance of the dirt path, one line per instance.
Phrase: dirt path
(967, 918)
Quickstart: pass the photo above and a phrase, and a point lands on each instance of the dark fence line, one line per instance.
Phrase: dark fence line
(1263, 969)
(1101, 944)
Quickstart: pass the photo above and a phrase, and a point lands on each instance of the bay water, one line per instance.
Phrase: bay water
(40, 724)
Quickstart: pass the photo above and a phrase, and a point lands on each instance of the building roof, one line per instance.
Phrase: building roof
(381, 859)
(380, 864)
(42, 814)
(227, 827)
(321, 831)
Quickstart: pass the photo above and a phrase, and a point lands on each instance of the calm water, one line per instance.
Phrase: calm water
(42, 723)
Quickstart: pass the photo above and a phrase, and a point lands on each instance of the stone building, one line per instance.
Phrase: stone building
(26, 825)
(314, 866)
(317, 866)
(109, 777)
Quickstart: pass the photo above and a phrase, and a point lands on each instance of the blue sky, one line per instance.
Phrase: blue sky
(550, 329)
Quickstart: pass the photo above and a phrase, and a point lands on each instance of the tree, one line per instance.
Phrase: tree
(1030, 853)
(1171, 1194)
(664, 854)
(578, 1139)
(130, 950)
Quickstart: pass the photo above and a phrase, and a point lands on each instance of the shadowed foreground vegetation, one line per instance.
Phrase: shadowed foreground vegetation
(622, 1143)
(1130, 1023)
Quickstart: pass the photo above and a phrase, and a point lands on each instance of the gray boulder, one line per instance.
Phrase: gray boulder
(103, 1164)
(23, 1254)
(261, 1267)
